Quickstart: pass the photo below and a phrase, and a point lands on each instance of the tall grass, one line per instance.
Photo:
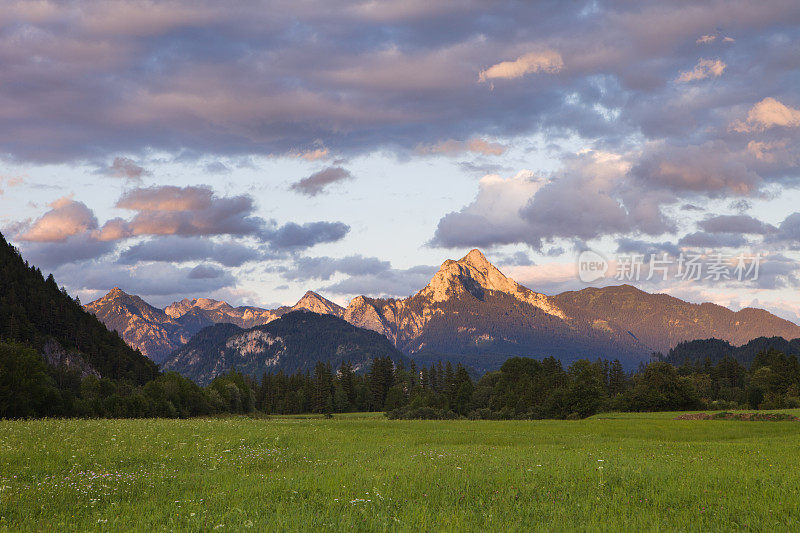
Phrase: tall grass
(359, 473)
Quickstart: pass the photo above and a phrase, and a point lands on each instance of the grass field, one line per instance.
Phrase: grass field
(356, 473)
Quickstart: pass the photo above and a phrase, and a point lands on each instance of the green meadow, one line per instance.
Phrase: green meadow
(367, 473)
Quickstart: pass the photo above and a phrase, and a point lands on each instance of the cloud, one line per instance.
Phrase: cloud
(186, 211)
(769, 113)
(711, 168)
(788, 234)
(493, 217)
(317, 182)
(706, 39)
(146, 279)
(452, 147)
(325, 267)
(559, 210)
(364, 275)
(167, 198)
(389, 284)
(217, 167)
(590, 196)
(206, 272)
(180, 219)
(129, 80)
(72, 249)
(126, 168)
(313, 155)
(174, 249)
(703, 239)
(627, 245)
(196, 211)
(8, 182)
(293, 236)
(735, 224)
(516, 259)
(548, 61)
(65, 219)
(705, 68)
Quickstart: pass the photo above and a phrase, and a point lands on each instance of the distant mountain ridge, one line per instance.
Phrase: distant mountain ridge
(472, 313)
(159, 332)
(662, 321)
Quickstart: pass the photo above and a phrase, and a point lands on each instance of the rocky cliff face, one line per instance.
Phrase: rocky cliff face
(141, 325)
(56, 356)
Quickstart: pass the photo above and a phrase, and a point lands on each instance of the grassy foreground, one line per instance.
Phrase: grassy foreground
(356, 473)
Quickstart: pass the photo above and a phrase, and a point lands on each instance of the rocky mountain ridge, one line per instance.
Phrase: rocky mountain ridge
(159, 332)
(470, 312)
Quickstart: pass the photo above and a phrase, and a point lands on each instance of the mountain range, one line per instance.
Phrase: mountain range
(473, 314)
(159, 332)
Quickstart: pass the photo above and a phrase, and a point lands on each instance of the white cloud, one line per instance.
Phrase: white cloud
(546, 61)
(705, 68)
(769, 113)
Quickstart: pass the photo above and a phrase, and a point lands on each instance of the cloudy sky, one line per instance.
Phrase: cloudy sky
(249, 151)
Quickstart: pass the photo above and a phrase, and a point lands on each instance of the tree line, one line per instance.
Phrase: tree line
(522, 388)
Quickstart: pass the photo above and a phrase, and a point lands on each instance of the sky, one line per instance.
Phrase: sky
(250, 151)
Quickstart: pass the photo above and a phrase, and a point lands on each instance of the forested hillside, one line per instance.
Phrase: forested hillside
(715, 350)
(295, 342)
(33, 309)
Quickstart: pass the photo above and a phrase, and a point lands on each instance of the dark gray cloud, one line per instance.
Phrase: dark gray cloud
(319, 181)
(206, 272)
(293, 236)
(364, 275)
(180, 249)
(515, 259)
(736, 224)
(702, 239)
(776, 271)
(73, 249)
(626, 245)
(788, 234)
(710, 168)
